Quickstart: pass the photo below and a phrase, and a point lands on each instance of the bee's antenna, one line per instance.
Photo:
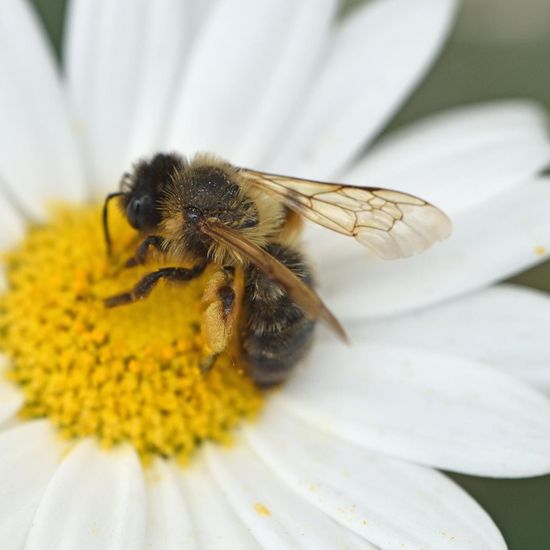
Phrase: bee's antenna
(106, 234)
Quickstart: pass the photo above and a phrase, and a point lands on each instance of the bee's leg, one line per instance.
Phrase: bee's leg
(277, 333)
(208, 362)
(142, 251)
(147, 283)
(219, 320)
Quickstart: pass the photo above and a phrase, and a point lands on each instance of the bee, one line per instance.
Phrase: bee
(246, 223)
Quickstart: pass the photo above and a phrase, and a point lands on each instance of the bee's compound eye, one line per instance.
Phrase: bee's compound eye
(192, 214)
(139, 212)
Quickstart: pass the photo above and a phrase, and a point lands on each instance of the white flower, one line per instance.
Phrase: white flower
(344, 455)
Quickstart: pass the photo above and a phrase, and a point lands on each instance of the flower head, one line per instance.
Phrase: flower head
(345, 453)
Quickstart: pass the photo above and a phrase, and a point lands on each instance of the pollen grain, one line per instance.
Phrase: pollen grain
(128, 374)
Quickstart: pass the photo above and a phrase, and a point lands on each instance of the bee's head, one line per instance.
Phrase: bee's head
(141, 193)
(142, 190)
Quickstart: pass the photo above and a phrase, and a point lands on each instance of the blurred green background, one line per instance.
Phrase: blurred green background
(498, 49)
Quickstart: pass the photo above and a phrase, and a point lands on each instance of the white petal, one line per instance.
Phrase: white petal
(505, 326)
(210, 508)
(39, 160)
(300, 50)
(169, 525)
(11, 398)
(491, 242)
(389, 502)
(427, 407)
(247, 67)
(378, 56)
(199, 10)
(276, 516)
(96, 499)
(124, 58)
(29, 455)
(12, 225)
(12, 229)
(462, 157)
(166, 42)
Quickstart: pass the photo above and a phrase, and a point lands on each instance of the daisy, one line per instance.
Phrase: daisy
(346, 454)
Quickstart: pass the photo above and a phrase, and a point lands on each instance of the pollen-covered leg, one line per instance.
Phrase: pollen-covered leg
(219, 321)
(142, 251)
(147, 283)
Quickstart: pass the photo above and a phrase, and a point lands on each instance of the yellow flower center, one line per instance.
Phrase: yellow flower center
(130, 373)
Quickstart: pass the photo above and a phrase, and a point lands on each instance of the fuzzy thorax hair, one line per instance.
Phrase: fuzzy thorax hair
(216, 189)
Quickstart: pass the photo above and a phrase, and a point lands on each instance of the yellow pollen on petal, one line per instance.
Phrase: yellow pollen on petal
(128, 374)
(262, 509)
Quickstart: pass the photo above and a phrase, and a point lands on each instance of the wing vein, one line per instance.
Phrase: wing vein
(366, 213)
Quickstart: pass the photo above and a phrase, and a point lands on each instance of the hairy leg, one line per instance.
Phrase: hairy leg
(142, 251)
(144, 287)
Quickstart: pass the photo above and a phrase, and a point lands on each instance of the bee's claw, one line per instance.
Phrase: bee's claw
(132, 262)
(208, 362)
(119, 300)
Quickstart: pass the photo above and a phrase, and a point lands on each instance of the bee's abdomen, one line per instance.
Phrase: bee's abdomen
(277, 334)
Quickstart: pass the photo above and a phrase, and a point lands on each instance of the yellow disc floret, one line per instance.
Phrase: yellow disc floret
(126, 374)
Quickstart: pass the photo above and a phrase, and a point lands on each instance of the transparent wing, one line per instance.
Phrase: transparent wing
(299, 292)
(390, 223)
